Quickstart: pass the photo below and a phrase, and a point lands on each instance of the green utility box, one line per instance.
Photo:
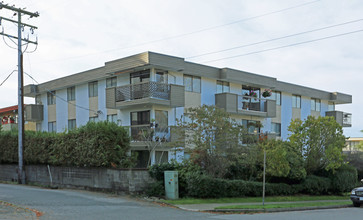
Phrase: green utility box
(171, 184)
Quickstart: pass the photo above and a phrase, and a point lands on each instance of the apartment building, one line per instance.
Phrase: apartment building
(151, 89)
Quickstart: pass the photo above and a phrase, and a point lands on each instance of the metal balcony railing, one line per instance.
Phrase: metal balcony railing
(251, 103)
(142, 133)
(143, 90)
(347, 119)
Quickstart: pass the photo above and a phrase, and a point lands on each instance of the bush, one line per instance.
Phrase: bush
(315, 185)
(101, 144)
(344, 179)
(156, 189)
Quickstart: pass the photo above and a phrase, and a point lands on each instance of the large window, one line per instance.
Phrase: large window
(252, 126)
(251, 91)
(296, 101)
(93, 89)
(71, 124)
(192, 83)
(112, 118)
(276, 128)
(141, 76)
(51, 98)
(315, 105)
(161, 119)
(276, 96)
(222, 86)
(71, 93)
(52, 126)
(331, 106)
(111, 82)
(161, 76)
(93, 119)
(140, 118)
(38, 99)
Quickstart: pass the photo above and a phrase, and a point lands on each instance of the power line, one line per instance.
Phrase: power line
(7, 77)
(192, 32)
(51, 92)
(289, 45)
(274, 39)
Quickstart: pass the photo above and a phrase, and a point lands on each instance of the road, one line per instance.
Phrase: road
(77, 204)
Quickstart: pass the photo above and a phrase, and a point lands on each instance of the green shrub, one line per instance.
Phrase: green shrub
(315, 185)
(156, 189)
(344, 179)
(101, 144)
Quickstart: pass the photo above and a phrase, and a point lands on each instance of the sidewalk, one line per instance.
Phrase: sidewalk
(212, 206)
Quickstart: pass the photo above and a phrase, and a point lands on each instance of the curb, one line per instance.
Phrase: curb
(278, 209)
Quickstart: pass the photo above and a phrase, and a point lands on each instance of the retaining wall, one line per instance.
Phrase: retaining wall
(125, 180)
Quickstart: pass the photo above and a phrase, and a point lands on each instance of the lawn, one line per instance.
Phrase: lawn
(288, 205)
(299, 198)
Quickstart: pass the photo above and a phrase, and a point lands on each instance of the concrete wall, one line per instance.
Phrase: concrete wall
(130, 180)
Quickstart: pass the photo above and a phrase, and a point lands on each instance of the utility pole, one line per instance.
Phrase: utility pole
(19, 12)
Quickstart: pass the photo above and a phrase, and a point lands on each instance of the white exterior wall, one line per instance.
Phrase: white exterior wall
(324, 107)
(61, 110)
(102, 100)
(286, 114)
(208, 89)
(43, 97)
(82, 115)
(305, 107)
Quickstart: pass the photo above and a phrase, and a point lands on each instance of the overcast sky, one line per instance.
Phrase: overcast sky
(79, 35)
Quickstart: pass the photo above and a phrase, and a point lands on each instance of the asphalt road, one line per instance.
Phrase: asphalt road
(24, 202)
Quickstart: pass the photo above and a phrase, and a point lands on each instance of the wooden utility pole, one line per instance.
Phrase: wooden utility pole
(19, 12)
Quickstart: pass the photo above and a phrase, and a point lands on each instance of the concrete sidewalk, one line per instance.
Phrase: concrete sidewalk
(212, 206)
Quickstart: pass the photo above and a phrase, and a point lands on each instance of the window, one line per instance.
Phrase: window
(93, 89)
(161, 119)
(52, 126)
(38, 100)
(331, 106)
(51, 98)
(71, 124)
(38, 126)
(222, 86)
(252, 125)
(111, 82)
(192, 83)
(276, 128)
(315, 104)
(161, 157)
(250, 91)
(93, 119)
(276, 96)
(140, 118)
(296, 101)
(141, 76)
(162, 76)
(71, 93)
(112, 118)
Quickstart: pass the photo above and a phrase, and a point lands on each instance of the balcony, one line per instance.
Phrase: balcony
(148, 93)
(246, 105)
(343, 118)
(8, 124)
(140, 135)
(33, 113)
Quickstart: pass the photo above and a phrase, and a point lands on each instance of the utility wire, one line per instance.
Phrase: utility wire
(51, 92)
(274, 39)
(193, 32)
(289, 45)
(7, 77)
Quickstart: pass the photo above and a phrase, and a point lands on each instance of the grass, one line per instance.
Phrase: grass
(286, 205)
(299, 198)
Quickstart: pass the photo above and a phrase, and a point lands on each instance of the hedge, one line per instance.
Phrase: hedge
(101, 144)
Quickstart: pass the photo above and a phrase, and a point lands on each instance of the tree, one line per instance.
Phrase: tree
(283, 160)
(213, 138)
(320, 142)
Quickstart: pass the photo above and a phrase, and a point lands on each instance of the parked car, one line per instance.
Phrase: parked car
(357, 196)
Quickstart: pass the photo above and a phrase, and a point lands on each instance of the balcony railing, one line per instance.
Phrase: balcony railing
(343, 118)
(347, 119)
(145, 93)
(144, 133)
(143, 90)
(246, 105)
